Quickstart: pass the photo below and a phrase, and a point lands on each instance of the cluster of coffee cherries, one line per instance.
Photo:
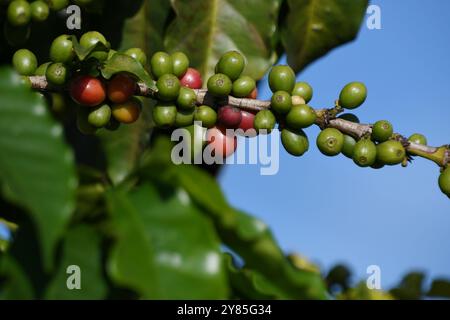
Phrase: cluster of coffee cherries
(20, 14)
(101, 103)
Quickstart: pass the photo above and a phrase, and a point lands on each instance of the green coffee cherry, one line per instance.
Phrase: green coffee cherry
(349, 146)
(42, 69)
(304, 90)
(349, 117)
(168, 87)
(300, 116)
(281, 78)
(295, 142)
(19, 13)
(418, 138)
(353, 95)
(206, 115)
(330, 142)
(365, 153)
(187, 99)
(57, 74)
(390, 152)
(62, 50)
(444, 182)
(243, 86)
(100, 116)
(57, 5)
(164, 115)
(39, 11)
(382, 130)
(138, 55)
(219, 85)
(281, 102)
(25, 62)
(82, 122)
(264, 120)
(161, 63)
(90, 39)
(180, 63)
(231, 64)
(184, 118)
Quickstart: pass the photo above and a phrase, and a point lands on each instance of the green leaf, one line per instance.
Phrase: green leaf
(123, 63)
(36, 165)
(14, 284)
(173, 248)
(204, 30)
(83, 52)
(440, 288)
(411, 287)
(314, 27)
(82, 249)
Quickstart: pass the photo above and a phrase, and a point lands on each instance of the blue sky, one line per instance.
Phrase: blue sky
(332, 211)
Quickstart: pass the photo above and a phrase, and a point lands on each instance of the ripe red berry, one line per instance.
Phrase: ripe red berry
(247, 123)
(87, 91)
(121, 88)
(229, 117)
(192, 79)
(221, 144)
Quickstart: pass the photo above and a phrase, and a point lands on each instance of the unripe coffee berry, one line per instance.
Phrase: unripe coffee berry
(301, 116)
(365, 153)
(62, 50)
(39, 11)
(281, 102)
(349, 146)
(281, 78)
(127, 112)
(231, 64)
(184, 118)
(168, 87)
(19, 13)
(42, 69)
(295, 142)
(297, 100)
(192, 79)
(418, 138)
(180, 63)
(100, 116)
(330, 142)
(243, 87)
(137, 54)
(206, 115)
(304, 90)
(57, 74)
(390, 152)
(121, 88)
(83, 124)
(161, 63)
(164, 115)
(219, 85)
(382, 130)
(349, 117)
(87, 91)
(264, 121)
(24, 62)
(187, 99)
(57, 5)
(444, 182)
(353, 95)
(229, 117)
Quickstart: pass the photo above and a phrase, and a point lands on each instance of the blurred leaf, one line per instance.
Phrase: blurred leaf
(439, 288)
(82, 248)
(314, 27)
(410, 288)
(6, 233)
(204, 30)
(120, 62)
(178, 253)
(36, 165)
(362, 292)
(14, 284)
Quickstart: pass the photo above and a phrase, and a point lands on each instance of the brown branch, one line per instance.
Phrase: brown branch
(439, 155)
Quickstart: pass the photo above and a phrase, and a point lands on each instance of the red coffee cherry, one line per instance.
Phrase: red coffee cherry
(247, 123)
(229, 117)
(121, 88)
(87, 91)
(253, 94)
(221, 145)
(192, 79)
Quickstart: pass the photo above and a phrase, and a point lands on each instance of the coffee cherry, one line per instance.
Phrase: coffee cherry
(377, 165)
(164, 115)
(206, 115)
(231, 64)
(39, 11)
(57, 5)
(192, 79)
(330, 142)
(90, 39)
(57, 74)
(42, 69)
(390, 152)
(349, 117)
(127, 112)
(87, 91)
(297, 100)
(264, 120)
(184, 118)
(121, 88)
(161, 63)
(243, 87)
(219, 85)
(444, 182)
(19, 13)
(16, 36)
(300, 116)
(281, 102)
(100, 116)
(281, 78)
(138, 55)
(229, 117)
(382, 130)
(168, 87)
(83, 124)
(418, 138)
(365, 153)
(180, 63)
(253, 94)
(247, 123)
(187, 99)
(353, 95)
(25, 62)
(295, 142)
(221, 144)
(349, 146)
(62, 50)
(304, 90)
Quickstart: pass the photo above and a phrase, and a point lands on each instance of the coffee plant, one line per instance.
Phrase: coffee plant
(85, 170)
